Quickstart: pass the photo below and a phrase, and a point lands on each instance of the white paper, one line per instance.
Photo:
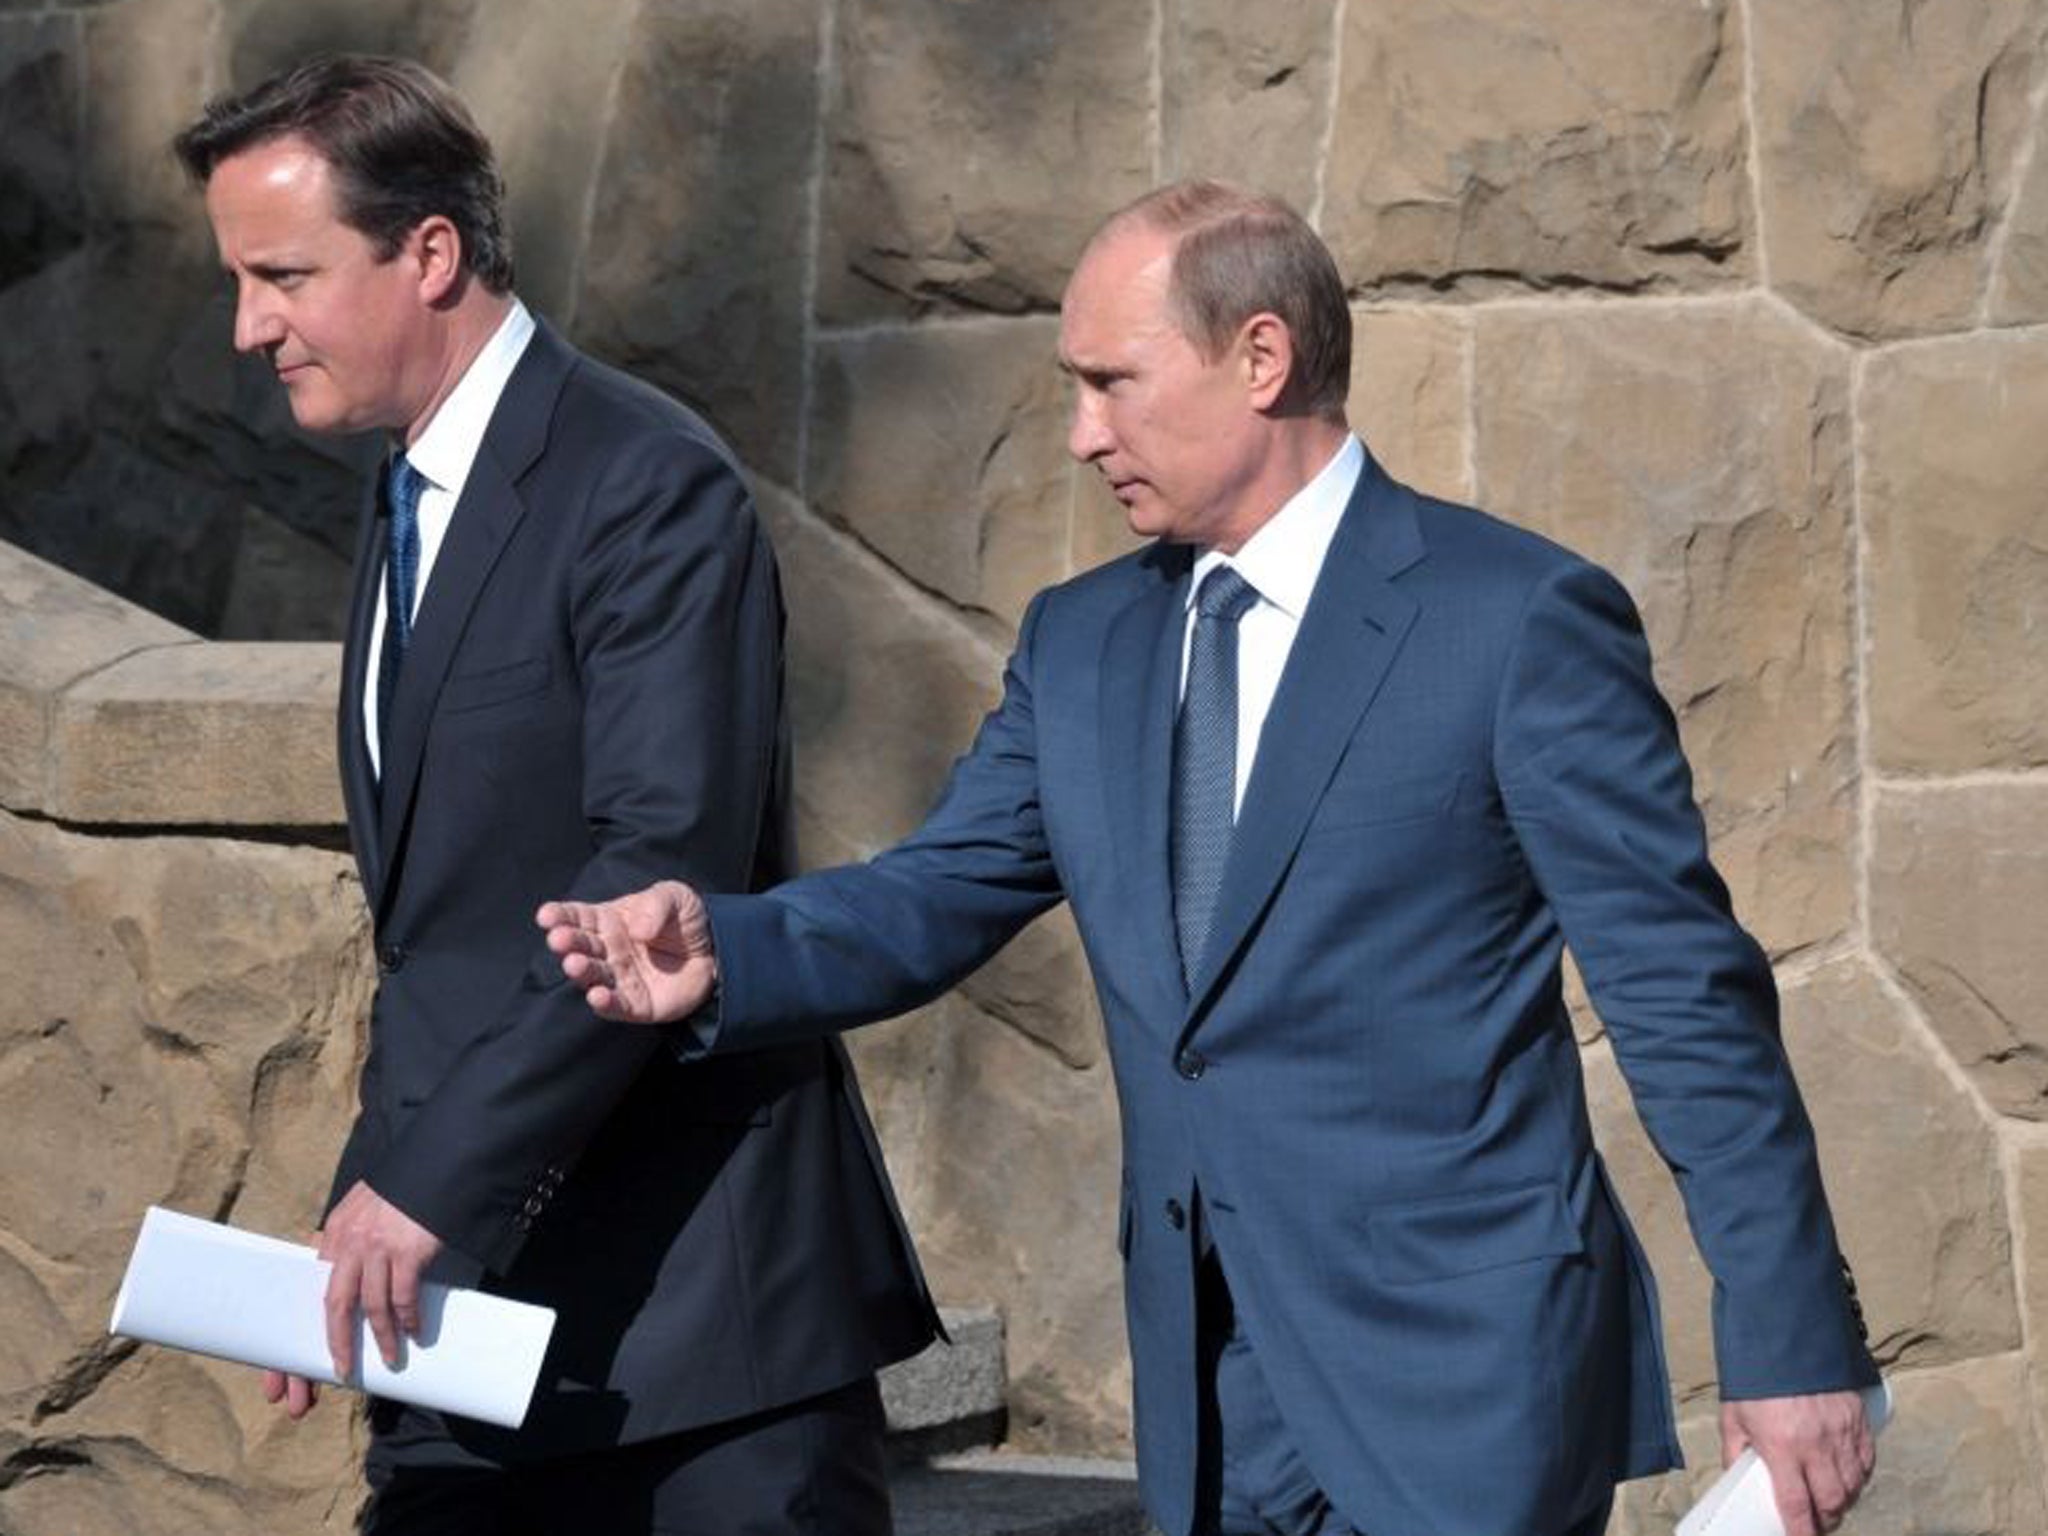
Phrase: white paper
(1741, 1502)
(257, 1300)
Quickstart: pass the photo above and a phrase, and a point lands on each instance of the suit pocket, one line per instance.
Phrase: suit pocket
(493, 685)
(1388, 800)
(1464, 1234)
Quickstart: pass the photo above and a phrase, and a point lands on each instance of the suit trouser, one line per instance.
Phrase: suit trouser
(811, 1468)
(1249, 1481)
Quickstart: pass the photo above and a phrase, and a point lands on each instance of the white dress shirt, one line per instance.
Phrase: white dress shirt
(443, 455)
(1281, 561)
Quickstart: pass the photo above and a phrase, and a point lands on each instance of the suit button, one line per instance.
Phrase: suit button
(1176, 1216)
(533, 1206)
(1190, 1063)
(391, 958)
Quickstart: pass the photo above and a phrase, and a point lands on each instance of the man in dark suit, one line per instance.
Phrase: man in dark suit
(1331, 773)
(563, 669)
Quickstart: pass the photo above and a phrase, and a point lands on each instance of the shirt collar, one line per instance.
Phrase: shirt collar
(449, 446)
(1283, 559)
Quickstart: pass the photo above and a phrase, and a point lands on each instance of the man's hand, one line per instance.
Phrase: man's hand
(298, 1395)
(378, 1253)
(641, 959)
(1819, 1451)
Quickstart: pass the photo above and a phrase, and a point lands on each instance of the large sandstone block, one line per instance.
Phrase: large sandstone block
(2030, 1169)
(1958, 883)
(1483, 144)
(549, 142)
(1886, 137)
(226, 734)
(886, 686)
(1702, 453)
(2019, 288)
(694, 273)
(1912, 1173)
(1960, 1456)
(55, 630)
(261, 37)
(997, 1115)
(1957, 553)
(1411, 397)
(1245, 93)
(971, 149)
(39, 119)
(184, 993)
(886, 691)
(150, 68)
(943, 448)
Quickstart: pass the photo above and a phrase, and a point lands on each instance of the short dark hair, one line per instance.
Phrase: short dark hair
(1237, 253)
(402, 146)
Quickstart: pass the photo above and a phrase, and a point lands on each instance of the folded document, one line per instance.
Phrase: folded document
(1741, 1502)
(219, 1291)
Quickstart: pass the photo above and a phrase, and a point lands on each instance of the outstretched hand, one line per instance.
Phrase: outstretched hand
(1819, 1450)
(641, 959)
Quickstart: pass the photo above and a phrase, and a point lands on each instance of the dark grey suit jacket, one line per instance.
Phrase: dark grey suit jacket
(593, 699)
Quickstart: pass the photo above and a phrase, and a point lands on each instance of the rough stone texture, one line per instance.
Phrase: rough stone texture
(283, 582)
(54, 630)
(2030, 1172)
(1961, 1459)
(186, 1037)
(2019, 292)
(958, 1379)
(1246, 93)
(149, 70)
(971, 149)
(1701, 452)
(948, 457)
(1546, 143)
(1409, 399)
(42, 213)
(878, 727)
(1912, 1174)
(226, 734)
(1957, 562)
(1958, 883)
(996, 1114)
(1886, 134)
(549, 142)
(695, 277)
(264, 36)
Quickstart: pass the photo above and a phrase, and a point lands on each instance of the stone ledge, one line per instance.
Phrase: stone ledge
(111, 715)
(950, 1396)
(997, 1493)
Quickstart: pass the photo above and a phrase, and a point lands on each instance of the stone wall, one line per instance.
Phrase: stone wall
(1747, 298)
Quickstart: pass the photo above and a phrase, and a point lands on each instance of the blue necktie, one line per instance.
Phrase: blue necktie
(1205, 761)
(402, 487)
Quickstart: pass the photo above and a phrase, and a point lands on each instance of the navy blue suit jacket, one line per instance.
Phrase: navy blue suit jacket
(593, 698)
(1372, 1079)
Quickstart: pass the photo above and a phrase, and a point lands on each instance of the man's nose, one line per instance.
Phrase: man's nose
(257, 326)
(1088, 438)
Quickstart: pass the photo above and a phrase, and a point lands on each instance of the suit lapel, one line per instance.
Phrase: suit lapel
(1140, 688)
(1355, 624)
(352, 750)
(483, 523)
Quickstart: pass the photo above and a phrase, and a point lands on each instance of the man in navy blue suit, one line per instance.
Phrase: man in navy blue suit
(1331, 772)
(563, 670)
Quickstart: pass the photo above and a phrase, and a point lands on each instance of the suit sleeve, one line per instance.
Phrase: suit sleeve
(847, 946)
(1600, 797)
(677, 623)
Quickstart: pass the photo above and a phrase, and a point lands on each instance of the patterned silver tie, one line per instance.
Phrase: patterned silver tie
(1205, 761)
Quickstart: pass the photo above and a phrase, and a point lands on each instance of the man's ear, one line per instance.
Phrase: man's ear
(1265, 351)
(436, 245)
